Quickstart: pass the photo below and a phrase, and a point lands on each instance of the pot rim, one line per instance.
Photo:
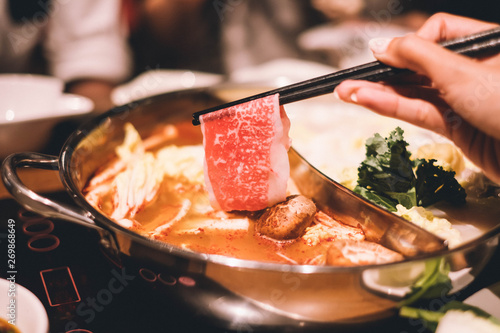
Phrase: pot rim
(105, 222)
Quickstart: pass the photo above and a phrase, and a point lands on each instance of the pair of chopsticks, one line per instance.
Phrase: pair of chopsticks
(476, 45)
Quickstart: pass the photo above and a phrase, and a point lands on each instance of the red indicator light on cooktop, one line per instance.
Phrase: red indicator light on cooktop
(60, 286)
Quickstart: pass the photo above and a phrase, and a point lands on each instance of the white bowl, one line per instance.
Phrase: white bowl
(30, 315)
(30, 107)
(160, 81)
(280, 72)
(27, 96)
(346, 44)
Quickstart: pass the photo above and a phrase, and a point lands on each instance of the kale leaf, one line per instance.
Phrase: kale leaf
(386, 175)
(435, 184)
(387, 178)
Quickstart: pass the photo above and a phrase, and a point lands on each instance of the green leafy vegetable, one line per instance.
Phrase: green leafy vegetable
(432, 284)
(435, 184)
(387, 178)
(386, 175)
(374, 197)
(430, 319)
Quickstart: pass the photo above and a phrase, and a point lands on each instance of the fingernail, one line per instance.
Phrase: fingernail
(354, 98)
(379, 45)
(336, 94)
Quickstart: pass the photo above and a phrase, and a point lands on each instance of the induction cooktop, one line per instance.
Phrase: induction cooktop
(84, 290)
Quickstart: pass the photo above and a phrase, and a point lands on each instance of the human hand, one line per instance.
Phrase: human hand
(450, 94)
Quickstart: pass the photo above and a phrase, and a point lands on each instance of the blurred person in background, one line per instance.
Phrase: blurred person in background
(255, 32)
(221, 36)
(216, 36)
(173, 34)
(486, 10)
(81, 42)
(344, 41)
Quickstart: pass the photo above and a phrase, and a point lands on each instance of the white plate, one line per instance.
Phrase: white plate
(487, 299)
(156, 82)
(30, 315)
(373, 279)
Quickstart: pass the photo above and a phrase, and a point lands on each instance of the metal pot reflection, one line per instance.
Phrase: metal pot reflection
(228, 292)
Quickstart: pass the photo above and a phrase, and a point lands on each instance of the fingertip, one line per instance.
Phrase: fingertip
(341, 92)
(336, 94)
(373, 99)
(354, 97)
(393, 51)
(346, 92)
(379, 45)
(349, 97)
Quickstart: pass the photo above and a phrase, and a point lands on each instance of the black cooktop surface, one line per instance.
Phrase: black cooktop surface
(81, 288)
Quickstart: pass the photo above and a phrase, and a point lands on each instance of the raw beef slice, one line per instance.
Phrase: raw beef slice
(246, 161)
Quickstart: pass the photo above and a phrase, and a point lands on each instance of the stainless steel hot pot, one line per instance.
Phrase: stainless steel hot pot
(229, 292)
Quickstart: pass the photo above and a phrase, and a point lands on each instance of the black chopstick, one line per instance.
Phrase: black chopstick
(476, 45)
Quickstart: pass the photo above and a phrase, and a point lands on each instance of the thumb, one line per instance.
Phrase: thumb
(469, 87)
(443, 67)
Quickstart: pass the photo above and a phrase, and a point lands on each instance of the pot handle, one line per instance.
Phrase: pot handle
(34, 202)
